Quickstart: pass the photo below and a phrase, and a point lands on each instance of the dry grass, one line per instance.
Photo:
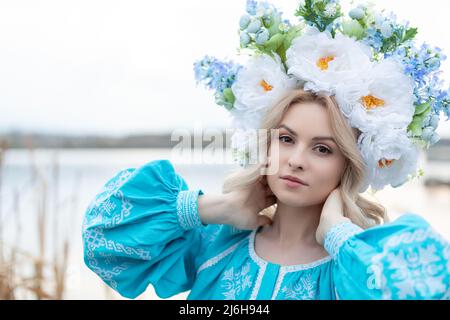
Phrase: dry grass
(26, 275)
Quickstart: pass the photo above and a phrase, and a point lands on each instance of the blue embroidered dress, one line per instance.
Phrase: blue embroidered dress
(143, 228)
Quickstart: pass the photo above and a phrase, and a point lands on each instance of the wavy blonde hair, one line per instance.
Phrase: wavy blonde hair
(359, 210)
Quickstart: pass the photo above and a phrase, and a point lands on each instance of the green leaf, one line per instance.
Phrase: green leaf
(274, 42)
(416, 126)
(273, 29)
(409, 34)
(423, 108)
(229, 95)
(293, 33)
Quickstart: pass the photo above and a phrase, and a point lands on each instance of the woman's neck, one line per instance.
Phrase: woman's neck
(294, 226)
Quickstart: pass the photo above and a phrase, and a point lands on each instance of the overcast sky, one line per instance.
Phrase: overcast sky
(120, 67)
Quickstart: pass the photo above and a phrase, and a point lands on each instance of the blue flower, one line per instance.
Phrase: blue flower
(254, 26)
(244, 21)
(251, 7)
(262, 36)
(423, 65)
(386, 29)
(244, 39)
(374, 39)
(216, 75)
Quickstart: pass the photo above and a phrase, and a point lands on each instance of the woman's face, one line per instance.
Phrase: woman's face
(301, 150)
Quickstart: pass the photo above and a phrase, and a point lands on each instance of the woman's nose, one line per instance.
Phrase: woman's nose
(297, 160)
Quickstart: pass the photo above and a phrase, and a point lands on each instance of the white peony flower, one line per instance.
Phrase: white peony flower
(247, 119)
(259, 86)
(324, 62)
(383, 95)
(390, 157)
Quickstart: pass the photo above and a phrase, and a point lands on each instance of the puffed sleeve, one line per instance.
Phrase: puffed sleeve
(403, 259)
(143, 228)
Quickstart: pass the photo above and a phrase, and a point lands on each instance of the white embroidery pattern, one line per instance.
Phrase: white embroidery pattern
(261, 264)
(102, 203)
(294, 268)
(211, 235)
(283, 269)
(102, 208)
(216, 259)
(187, 210)
(304, 289)
(236, 282)
(412, 265)
(280, 279)
(338, 234)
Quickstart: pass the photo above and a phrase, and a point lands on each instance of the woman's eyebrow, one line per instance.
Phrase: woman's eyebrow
(295, 134)
(324, 138)
(288, 129)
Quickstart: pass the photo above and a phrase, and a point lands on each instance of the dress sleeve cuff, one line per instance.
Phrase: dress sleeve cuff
(187, 209)
(338, 234)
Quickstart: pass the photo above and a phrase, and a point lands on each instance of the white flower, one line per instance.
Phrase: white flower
(325, 62)
(390, 157)
(356, 13)
(259, 86)
(330, 9)
(383, 95)
(247, 119)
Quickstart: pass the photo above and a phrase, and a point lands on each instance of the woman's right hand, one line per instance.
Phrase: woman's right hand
(247, 203)
(239, 208)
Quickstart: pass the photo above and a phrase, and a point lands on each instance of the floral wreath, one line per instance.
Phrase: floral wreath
(384, 83)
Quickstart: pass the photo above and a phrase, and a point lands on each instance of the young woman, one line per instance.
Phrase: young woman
(346, 101)
(322, 241)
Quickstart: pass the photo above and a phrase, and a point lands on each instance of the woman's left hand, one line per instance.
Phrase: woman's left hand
(332, 214)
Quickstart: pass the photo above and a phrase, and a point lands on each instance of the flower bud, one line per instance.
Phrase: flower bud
(356, 13)
(434, 121)
(254, 26)
(244, 21)
(434, 62)
(435, 138)
(245, 39)
(262, 36)
(427, 133)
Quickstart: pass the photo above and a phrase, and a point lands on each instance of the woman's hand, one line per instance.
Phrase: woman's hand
(332, 214)
(245, 204)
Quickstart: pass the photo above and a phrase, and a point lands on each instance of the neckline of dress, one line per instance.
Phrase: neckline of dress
(285, 268)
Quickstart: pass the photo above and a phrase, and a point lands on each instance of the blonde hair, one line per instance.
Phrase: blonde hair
(358, 209)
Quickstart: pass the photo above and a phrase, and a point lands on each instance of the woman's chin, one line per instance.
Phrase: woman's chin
(292, 199)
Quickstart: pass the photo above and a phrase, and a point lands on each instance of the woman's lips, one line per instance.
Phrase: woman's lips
(292, 183)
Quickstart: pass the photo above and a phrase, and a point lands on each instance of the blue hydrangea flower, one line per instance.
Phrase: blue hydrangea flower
(215, 75)
(423, 65)
(374, 38)
(219, 76)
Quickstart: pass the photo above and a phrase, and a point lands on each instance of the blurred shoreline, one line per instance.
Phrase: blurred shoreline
(61, 182)
(21, 140)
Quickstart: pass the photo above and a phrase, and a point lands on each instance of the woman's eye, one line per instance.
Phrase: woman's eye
(282, 137)
(323, 149)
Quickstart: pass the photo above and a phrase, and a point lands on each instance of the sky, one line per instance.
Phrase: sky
(126, 67)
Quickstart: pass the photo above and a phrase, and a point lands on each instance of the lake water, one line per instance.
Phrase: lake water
(80, 173)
